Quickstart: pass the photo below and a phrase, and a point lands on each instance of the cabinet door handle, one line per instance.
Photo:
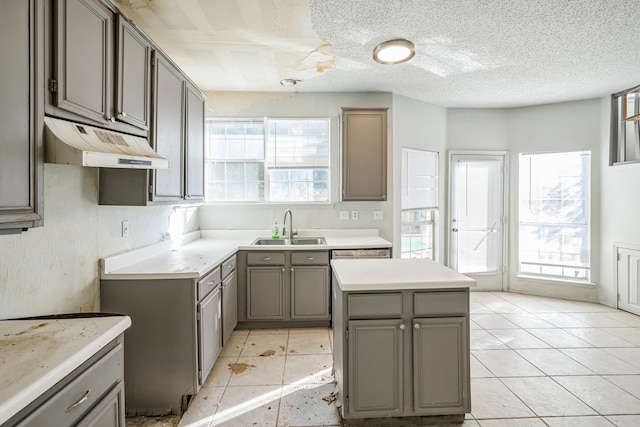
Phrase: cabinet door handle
(283, 270)
(111, 119)
(402, 326)
(310, 258)
(124, 114)
(79, 402)
(267, 258)
(292, 269)
(417, 326)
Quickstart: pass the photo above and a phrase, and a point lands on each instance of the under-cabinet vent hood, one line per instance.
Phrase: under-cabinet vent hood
(78, 144)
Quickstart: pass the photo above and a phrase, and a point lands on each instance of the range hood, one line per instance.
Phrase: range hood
(79, 144)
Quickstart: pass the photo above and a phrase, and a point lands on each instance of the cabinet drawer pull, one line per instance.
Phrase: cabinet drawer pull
(417, 326)
(292, 269)
(79, 402)
(402, 326)
(310, 258)
(266, 258)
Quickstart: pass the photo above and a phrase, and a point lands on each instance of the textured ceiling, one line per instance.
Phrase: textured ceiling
(469, 53)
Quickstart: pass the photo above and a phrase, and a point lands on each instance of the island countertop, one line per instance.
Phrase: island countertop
(36, 354)
(396, 273)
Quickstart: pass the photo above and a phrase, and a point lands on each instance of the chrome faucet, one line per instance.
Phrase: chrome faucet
(284, 225)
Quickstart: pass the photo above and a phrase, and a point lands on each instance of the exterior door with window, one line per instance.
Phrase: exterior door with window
(628, 279)
(477, 212)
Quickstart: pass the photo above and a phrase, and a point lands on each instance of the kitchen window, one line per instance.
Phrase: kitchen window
(554, 212)
(268, 160)
(419, 203)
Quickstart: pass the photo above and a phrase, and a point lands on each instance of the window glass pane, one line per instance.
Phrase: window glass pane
(554, 195)
(295, 153)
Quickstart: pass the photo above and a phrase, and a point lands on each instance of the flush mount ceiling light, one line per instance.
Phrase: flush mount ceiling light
(394, 51)
(288, 82)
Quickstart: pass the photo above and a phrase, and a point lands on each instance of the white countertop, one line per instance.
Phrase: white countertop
(36, 354)
(396, 274)
(195, 258)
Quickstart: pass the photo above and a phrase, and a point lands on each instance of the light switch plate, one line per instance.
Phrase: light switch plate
(377, 215)
(355, 215)
(344, 215)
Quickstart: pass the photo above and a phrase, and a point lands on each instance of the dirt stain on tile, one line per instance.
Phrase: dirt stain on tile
(238, 368)
(267, 353)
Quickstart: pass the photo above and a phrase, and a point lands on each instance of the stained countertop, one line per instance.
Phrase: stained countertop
(197, 257)
(35, 354)
(396, 274)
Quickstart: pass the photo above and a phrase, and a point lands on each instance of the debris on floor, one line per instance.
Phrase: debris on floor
(267, 353)
(163, 421)
(330, 398)
(283, 348)
(238, 368)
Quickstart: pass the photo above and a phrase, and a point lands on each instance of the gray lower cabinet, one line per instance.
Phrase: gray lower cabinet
(402, 353)
(229, 298)
(375, 358)
(92, 395)
(21, 113)
(265, 293)
(174, 339)
(287, 286)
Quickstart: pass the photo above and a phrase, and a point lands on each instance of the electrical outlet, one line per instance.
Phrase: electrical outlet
(355, 215)
(125, 228)
(344, 215)
(377, 215)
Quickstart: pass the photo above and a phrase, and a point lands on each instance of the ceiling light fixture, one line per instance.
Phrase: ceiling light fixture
(288, 82)
(394, 51)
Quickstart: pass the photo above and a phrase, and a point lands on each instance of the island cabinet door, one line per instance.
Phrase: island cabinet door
(440, 366)
(375, 368)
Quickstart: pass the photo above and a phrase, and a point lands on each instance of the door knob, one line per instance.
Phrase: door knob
(455, 230)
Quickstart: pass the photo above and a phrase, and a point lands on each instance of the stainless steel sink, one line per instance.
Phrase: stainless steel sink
(265, 241)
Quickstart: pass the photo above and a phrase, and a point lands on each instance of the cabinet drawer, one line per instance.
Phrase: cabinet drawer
(265, 258)
(209, 283)
(378, 305)
(439, 303)
(310, 258)
(228, 266)
(76, 398)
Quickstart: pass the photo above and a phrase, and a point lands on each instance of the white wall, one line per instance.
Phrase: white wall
(305, 216)
(54, 269)
(563, 126)
(619, 209)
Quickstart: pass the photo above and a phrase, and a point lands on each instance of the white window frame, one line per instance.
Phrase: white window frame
(562, 277)
(266, 161)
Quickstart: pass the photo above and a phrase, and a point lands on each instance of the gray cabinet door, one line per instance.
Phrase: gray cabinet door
(440, 366)
(265, 293)
(229, 305)
(167, 131)
(84, 59)
(364, 154)
(109, 412)
(21, 113)
(310, 292)
(375, 357)
(133, 79)
(209, 333)
(194, 185)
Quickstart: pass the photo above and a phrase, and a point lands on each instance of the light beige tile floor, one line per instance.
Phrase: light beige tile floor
(535, 362)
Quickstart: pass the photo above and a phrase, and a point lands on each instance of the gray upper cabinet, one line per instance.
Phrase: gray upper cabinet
(194, 134)
(364, 154)
(133, 79)
(21, 113)
(176, 133)
(83, 63)
(101, 68)
(167, 132)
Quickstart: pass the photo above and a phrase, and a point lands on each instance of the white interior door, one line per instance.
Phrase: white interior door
(476, 217)
(628, 279)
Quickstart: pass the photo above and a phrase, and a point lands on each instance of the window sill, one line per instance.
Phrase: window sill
(556, 281)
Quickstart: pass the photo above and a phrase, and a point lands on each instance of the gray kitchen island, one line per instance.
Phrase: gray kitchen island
(401, 339)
